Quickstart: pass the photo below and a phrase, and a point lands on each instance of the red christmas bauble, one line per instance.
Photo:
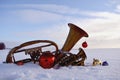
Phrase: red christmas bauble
(20, 63)
(47, 60)
(84, 44)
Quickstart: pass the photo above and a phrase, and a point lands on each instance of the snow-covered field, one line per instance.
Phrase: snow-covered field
(32, 71)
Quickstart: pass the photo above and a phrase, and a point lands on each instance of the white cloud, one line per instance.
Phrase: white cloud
(118, 8)
(57, 33)
(103, 27)
(34, 16)
(40, 13)
(52, 8)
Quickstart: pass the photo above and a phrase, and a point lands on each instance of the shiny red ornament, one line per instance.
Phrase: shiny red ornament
(20, 63)
(47, 60)
(84, 44)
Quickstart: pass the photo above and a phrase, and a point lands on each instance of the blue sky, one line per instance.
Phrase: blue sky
(26, 20)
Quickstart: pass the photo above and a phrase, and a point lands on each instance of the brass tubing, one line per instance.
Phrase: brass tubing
(74, 35)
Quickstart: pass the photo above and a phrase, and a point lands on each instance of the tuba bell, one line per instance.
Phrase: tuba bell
(74, 35)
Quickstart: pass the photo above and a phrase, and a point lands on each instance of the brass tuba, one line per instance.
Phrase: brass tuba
(74, 35)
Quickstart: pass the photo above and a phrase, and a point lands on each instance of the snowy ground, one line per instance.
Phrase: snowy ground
(32, 71)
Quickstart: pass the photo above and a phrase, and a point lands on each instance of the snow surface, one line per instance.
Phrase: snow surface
(32, 71)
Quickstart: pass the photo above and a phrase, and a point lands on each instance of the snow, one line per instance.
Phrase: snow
(30, 71)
